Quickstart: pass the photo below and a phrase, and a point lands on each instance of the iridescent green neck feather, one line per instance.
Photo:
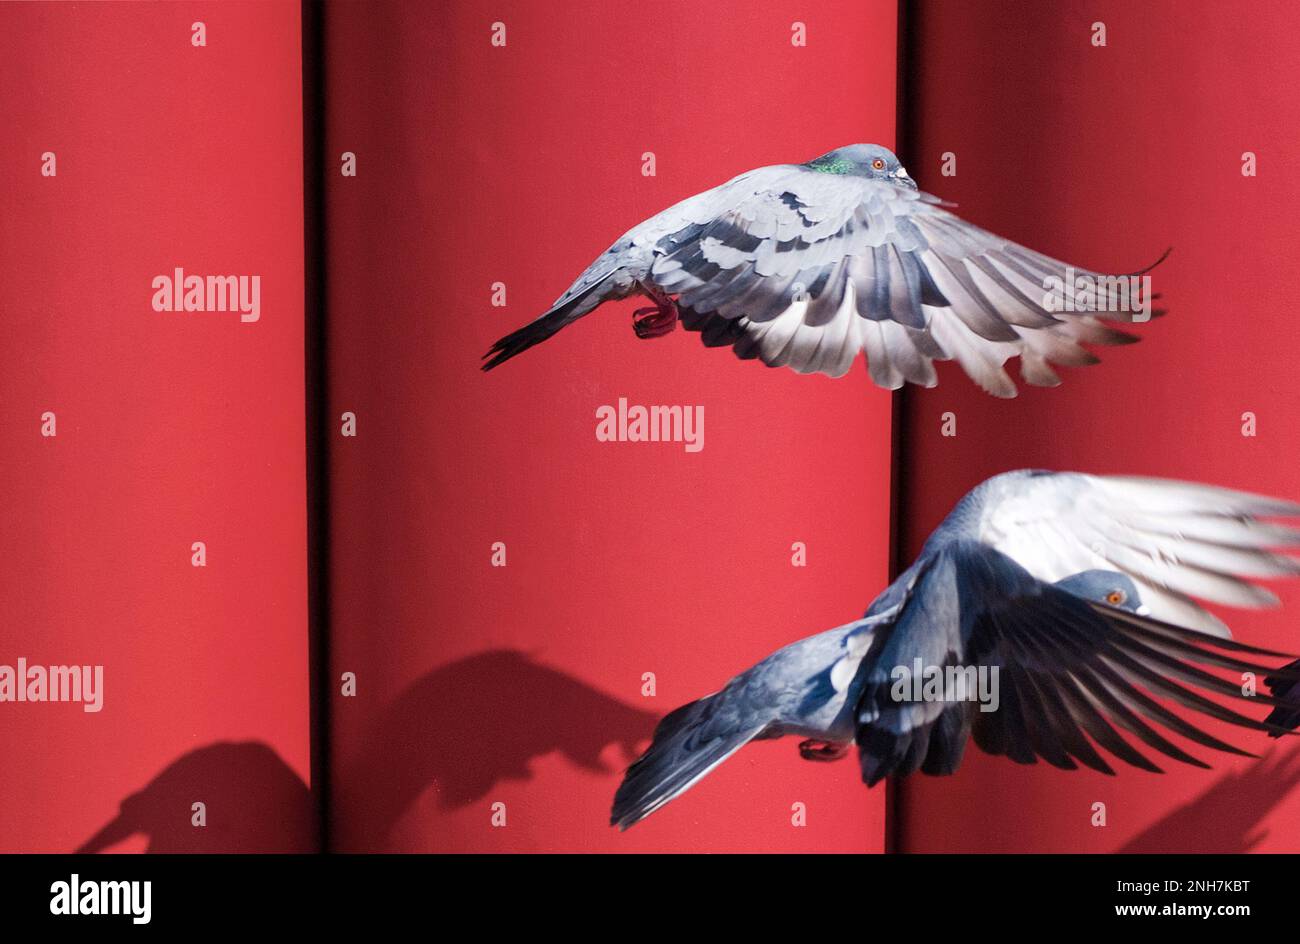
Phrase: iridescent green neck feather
(832, 165)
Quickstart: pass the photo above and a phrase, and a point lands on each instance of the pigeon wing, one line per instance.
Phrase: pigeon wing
(805, 269)
(1071, 675)
(1176, 540)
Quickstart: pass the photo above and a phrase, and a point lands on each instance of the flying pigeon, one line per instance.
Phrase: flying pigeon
(805, 265)
(1070, 593)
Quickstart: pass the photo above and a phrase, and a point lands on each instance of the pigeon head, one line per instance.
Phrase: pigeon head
(1105, 586)
(863, 160)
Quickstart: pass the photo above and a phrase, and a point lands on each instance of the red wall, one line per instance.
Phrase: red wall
(1105, 156)
(477, 164)
(520, 164)
(171, 427)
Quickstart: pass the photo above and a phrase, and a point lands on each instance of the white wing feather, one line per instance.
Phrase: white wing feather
(1177, 540)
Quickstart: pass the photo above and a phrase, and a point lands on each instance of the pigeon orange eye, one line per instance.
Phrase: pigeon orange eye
(1116, 597)
(878, 164)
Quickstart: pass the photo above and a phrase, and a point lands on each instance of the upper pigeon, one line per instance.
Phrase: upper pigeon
(805, 265)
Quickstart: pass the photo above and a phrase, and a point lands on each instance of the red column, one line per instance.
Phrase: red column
(130, 149)
(522, 685)
(1106, 155)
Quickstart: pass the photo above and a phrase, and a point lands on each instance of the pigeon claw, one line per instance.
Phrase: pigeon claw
(823, 751)
(657, 320)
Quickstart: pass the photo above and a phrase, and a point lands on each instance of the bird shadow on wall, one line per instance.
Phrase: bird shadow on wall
(460, 729)
(253, 800)
(469, 725)
(1226, 817)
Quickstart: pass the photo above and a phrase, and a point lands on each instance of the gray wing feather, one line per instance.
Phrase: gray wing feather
(1068, 670)
(828, 255)
(1177, 540)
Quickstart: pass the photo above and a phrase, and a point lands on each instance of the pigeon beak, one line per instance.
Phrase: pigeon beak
(901, 176)
(1143, 610)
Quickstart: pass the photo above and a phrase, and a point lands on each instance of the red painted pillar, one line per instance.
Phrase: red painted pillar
(1107, 155)
(130, 149)
(519, 688)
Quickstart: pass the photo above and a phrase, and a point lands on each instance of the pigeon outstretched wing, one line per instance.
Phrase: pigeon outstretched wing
(1067, 675)
(804, 269)
(1176, 540)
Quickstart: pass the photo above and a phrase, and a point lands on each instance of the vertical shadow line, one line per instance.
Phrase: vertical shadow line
(317, 403)
(906, 131)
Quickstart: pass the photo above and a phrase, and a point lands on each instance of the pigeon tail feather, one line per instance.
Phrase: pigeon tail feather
(538, 330)
(686, 746)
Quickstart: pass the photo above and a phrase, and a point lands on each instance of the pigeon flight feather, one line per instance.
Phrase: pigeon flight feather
(1076, 590)
(805, 265)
